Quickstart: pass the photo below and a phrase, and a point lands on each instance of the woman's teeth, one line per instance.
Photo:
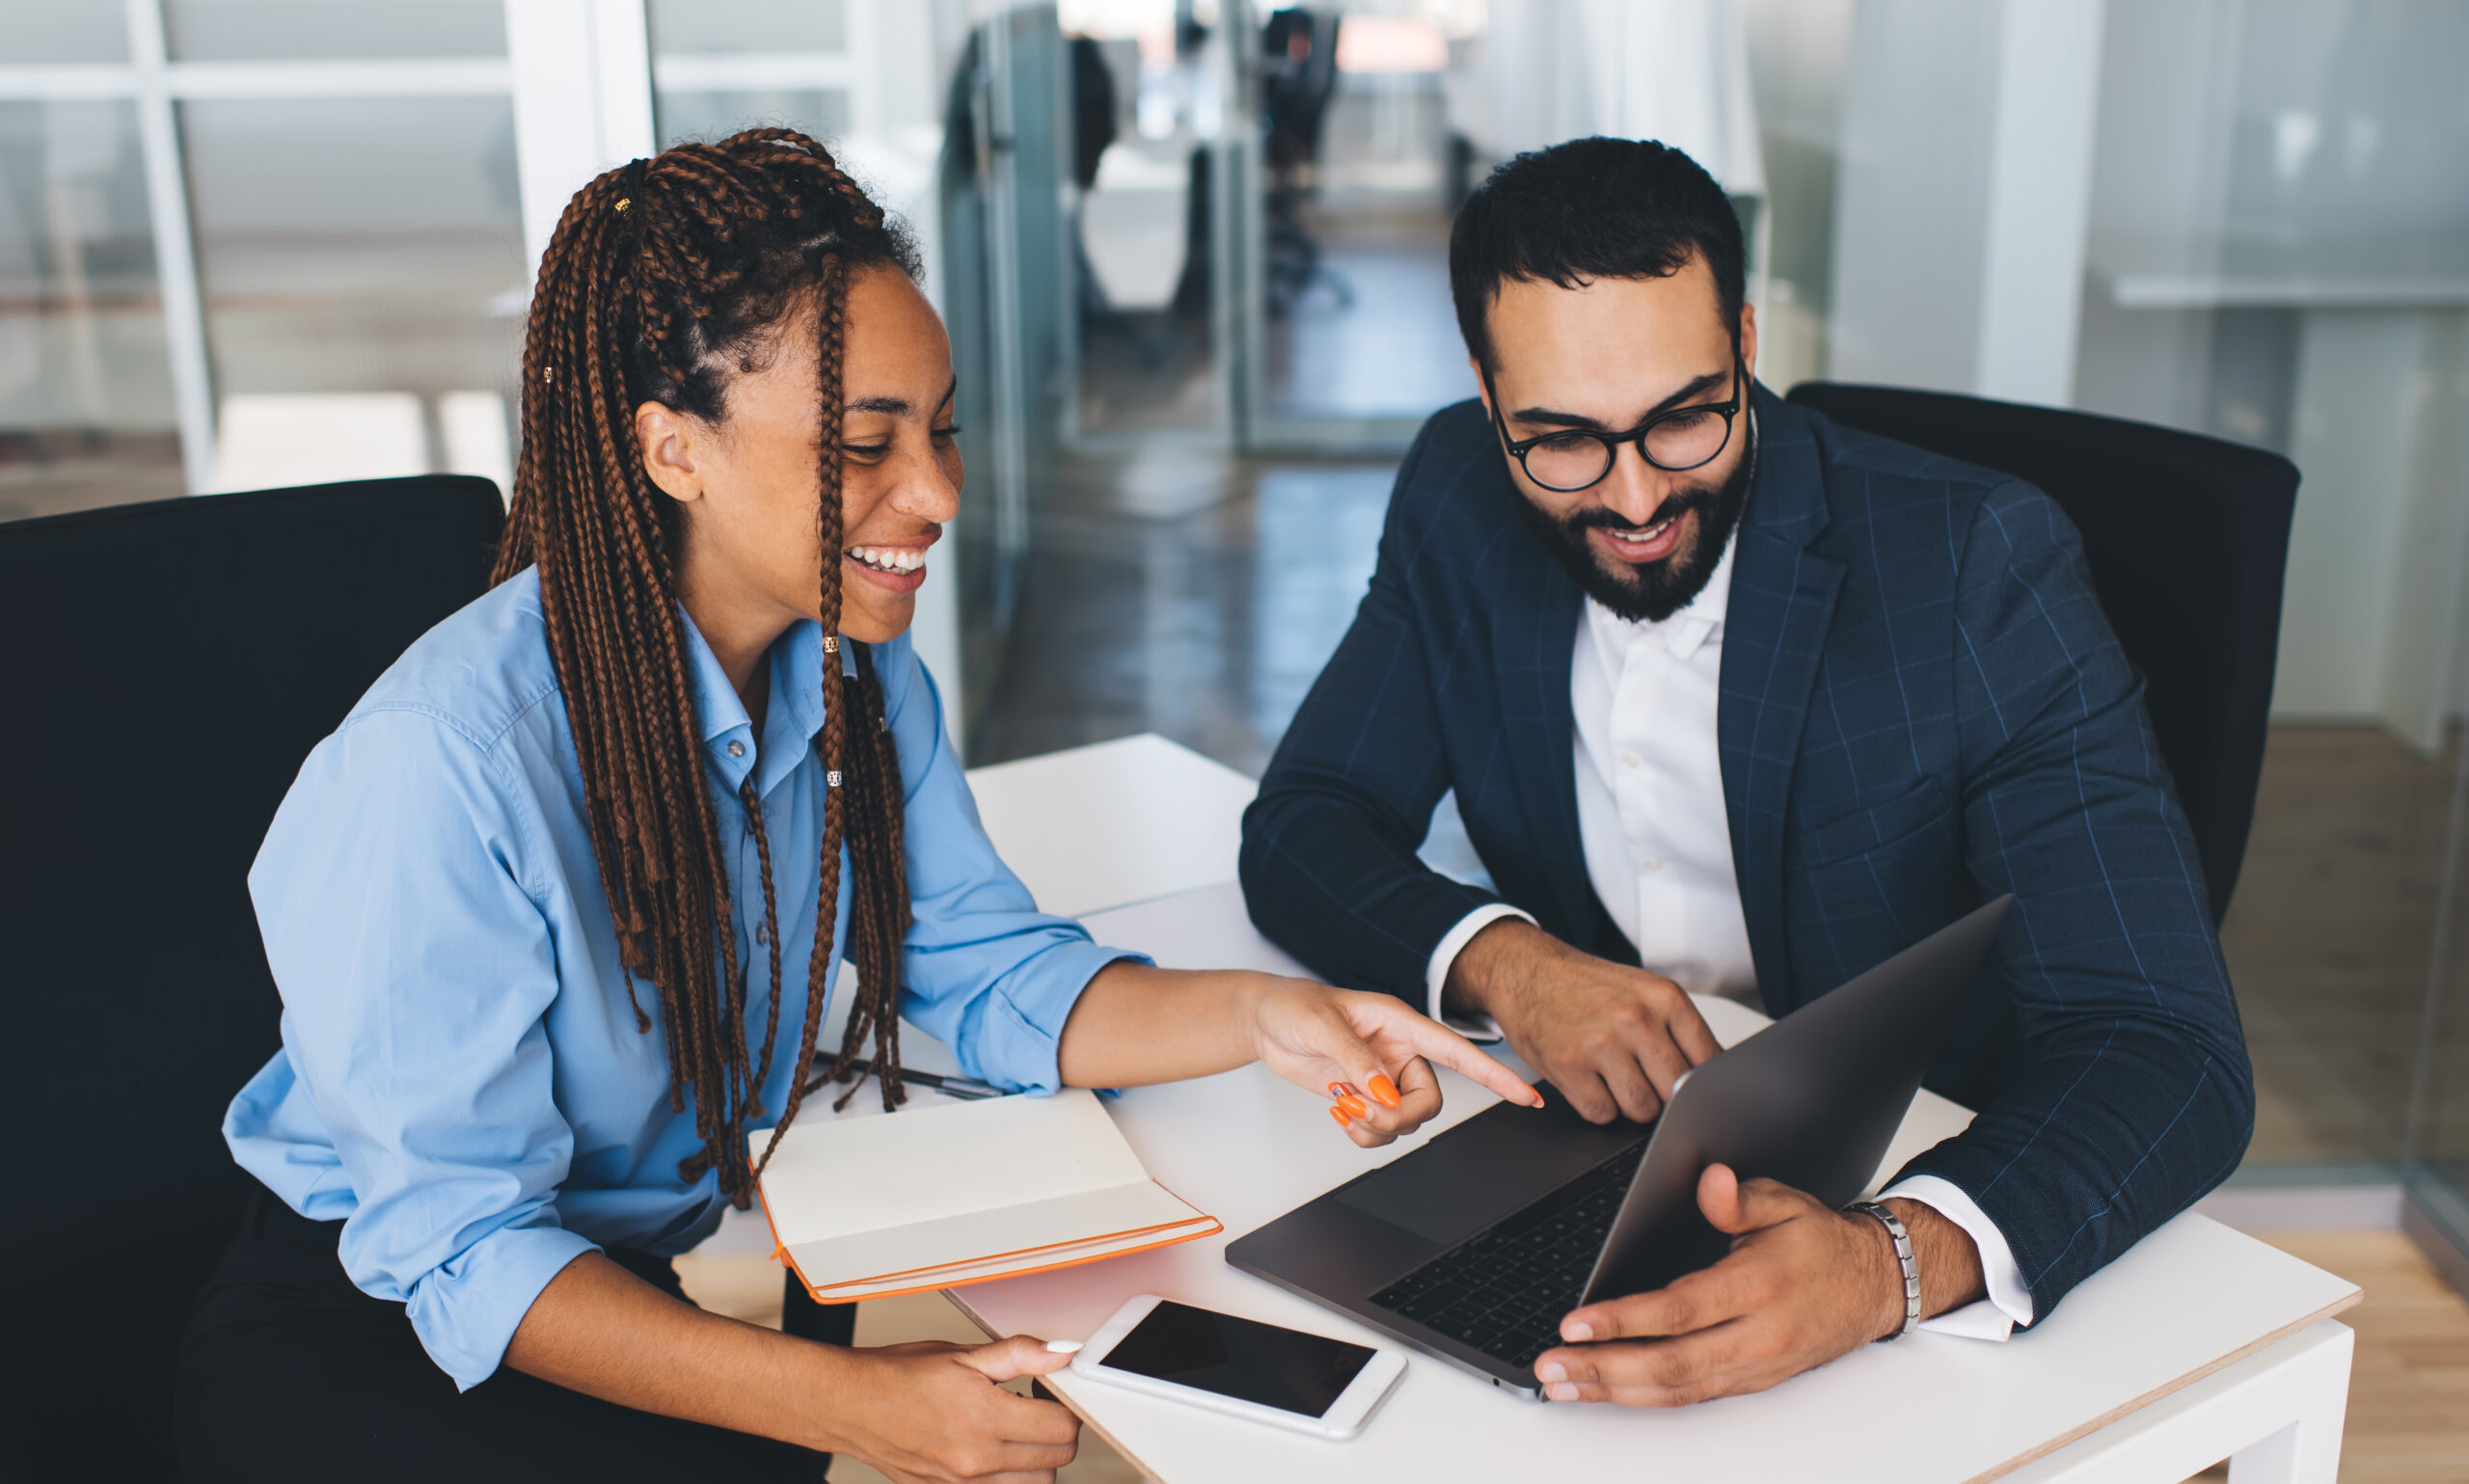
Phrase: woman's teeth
(890, 558)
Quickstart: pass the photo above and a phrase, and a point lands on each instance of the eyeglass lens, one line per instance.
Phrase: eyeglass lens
(1572, 461)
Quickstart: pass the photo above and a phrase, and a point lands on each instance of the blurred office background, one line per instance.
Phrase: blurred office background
(1193, 256)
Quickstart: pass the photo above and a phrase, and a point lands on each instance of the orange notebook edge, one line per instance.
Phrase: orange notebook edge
(1210, 1226)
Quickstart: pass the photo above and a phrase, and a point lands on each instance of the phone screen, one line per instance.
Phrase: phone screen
(1241, 1359)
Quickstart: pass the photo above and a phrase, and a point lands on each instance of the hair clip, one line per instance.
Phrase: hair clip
(623, 201)
(831, 643)
(832, 779)
(549, 375)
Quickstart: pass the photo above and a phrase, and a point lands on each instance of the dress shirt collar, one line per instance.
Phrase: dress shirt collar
(1684, 632)
(795, 714)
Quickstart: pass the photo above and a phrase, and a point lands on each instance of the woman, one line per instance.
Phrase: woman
(545, 909)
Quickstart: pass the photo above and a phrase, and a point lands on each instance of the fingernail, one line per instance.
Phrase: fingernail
(1561, 1391)
(1340, 1114)
(1062, 1346)
(1384, 1089)
(1551, 1370)
(1340, 1090)
(1576, 1333)
(1355, 1107)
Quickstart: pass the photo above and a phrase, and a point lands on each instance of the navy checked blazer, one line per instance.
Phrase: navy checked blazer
(1922, 707)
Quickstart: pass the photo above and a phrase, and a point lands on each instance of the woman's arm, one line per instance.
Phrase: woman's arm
(924, 1411)
(1135, 1024)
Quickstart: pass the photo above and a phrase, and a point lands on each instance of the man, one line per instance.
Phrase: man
(1738, 702)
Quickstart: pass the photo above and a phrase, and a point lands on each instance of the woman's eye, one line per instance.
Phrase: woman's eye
(946, 434)
(866, 451)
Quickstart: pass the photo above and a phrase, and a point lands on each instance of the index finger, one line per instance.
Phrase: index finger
(1689, 1032)
(1440, 1044)
(1700, 1301)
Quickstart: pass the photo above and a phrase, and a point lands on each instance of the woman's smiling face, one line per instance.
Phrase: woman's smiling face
(747, 485)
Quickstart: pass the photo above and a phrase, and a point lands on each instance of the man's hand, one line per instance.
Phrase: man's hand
(1614, 1040)
(1802, 1284)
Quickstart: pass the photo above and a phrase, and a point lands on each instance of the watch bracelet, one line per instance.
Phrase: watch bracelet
(1903, 1255)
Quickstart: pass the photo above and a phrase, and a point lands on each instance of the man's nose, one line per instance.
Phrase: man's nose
(1635, 488)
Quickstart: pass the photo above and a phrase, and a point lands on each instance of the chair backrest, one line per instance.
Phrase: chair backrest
(2188, 539)
(166, 668)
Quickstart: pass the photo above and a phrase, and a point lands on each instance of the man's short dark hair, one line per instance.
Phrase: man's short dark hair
(1590, 208)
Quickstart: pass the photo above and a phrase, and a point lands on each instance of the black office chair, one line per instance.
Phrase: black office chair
(2188, 538)
(165, 669)
(1298, 73)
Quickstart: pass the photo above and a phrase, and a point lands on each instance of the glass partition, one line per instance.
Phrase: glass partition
(86, 412)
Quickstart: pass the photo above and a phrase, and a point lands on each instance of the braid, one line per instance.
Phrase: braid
(662, 280)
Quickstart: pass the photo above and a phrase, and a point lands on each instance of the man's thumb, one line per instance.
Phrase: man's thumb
(1022, 1355)
(1719, 1197)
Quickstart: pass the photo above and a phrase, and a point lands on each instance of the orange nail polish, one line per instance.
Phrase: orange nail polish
(1340, 1090)
(1384, 1089)
(1340, 1114)
(1355, 1107)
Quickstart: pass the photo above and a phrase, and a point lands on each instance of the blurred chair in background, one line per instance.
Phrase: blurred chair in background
(170, 666)
(1298, 74)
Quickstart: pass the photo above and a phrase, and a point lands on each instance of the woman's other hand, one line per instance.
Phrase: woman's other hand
(934, 1413)
(1372, 1053)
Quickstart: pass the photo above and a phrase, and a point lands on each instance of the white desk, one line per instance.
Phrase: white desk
(2199, 1345)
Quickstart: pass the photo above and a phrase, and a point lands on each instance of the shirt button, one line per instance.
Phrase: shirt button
(1632, 760)
(763, 932)
(737, 750)
(1654, 863)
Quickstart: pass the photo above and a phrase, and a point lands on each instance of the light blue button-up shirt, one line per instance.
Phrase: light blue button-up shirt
(461, 1082)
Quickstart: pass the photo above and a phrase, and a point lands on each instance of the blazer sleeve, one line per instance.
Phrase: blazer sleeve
(2132, 1095)
(1329, 869)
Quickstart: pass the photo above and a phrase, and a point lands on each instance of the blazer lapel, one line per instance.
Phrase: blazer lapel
(1783, 600)
(1534, 630)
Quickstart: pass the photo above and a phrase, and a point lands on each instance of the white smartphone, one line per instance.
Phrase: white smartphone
(1242, 1368)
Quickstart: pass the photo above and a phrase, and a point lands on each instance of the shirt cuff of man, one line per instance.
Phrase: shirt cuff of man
(2009, 1302)
(1480, 1028)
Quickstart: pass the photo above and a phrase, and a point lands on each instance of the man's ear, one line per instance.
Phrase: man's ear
(667, 441)
(1749, 337)
(1482, 393)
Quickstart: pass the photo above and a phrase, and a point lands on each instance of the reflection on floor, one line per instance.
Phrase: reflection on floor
(2328, 939)
(1374, 333)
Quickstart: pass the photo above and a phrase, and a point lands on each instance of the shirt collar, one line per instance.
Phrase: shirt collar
(1684, 632)
(794, 716)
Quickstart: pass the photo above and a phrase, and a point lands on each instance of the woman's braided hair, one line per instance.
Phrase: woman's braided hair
(667, 278)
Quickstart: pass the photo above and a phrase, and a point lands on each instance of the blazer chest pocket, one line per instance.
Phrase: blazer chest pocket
(1863, 830)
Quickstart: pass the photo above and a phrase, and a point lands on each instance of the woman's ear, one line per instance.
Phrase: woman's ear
(667, 441)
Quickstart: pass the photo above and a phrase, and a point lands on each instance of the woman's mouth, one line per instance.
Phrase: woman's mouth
(1653, 541)
(899, 569)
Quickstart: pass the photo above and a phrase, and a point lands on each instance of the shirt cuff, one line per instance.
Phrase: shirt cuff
(1453, 942)
(2009, 1302)
(467, 1310)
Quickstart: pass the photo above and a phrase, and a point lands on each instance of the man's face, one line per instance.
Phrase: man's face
(1604, 358)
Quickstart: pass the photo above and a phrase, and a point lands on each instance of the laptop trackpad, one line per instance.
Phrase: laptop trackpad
(1466, 1179)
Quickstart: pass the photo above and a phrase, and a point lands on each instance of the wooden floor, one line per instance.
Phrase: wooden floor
(2408, 1417)
(2408, 1421)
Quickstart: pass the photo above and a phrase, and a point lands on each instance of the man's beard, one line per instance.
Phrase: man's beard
(1649, 592)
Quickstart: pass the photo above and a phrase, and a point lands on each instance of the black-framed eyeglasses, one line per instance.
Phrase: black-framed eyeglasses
(1675, 440)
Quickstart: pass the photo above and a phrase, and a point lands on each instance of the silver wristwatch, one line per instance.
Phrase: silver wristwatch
(1902, 1254)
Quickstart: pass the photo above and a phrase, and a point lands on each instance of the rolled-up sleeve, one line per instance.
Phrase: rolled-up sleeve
(415, 970)
(983, 970)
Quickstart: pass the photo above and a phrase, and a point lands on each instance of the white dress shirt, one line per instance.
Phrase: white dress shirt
(1659, 853)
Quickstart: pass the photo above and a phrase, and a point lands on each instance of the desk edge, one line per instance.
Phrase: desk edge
(2337, 1306)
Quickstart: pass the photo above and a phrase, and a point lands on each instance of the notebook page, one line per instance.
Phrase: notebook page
(840, 1177)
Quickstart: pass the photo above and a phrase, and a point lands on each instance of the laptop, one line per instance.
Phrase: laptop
(1473, 1247)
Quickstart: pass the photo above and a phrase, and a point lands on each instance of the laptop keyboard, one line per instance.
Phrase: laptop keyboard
(1505, 1289)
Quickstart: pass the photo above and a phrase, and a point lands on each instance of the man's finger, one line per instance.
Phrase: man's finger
(1628, 1083)
(1690, 1032)
(1700, 1301)
(1658, 1363)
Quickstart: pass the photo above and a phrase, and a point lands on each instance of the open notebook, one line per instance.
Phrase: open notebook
(939, 1197)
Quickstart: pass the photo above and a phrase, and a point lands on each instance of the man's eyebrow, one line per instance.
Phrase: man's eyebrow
(1549, 418)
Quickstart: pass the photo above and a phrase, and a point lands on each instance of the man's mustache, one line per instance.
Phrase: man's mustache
(1677, 503)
